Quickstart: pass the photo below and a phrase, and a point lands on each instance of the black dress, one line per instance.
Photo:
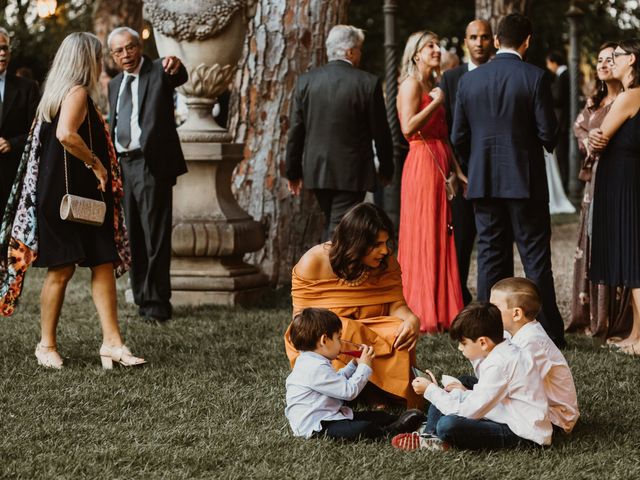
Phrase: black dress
(61, 242)
(615, 250)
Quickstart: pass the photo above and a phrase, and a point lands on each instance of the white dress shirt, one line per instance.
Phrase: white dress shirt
(3, 83)
(555, 373)
(561, 69)
(508, 50)
(135, 126)
(316, 392)
(509, 391)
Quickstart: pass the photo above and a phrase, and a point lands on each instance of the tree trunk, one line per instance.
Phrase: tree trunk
(285, 38)
(109, 14)
(493, 10)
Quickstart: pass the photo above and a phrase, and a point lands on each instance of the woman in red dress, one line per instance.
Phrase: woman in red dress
(426, 250)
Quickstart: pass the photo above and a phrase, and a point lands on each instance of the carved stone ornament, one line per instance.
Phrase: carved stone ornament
(208, 81)
(195, 19)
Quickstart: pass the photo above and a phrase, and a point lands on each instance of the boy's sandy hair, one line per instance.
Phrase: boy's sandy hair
(520, 293)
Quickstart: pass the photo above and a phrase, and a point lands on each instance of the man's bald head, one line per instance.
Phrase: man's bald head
(479, 41)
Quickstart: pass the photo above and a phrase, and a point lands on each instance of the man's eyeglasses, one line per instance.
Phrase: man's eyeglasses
(619, 54)
(129, 48)
(5, 48)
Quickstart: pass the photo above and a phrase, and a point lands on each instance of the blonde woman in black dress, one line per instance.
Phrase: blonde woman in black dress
(71, 122)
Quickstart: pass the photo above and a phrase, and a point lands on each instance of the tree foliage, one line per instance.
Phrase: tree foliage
(602, 20)
(34, 41)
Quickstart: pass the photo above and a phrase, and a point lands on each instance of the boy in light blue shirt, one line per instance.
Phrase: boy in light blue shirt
(316, 392)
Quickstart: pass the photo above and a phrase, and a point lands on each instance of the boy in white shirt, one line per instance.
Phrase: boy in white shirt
(506, 407)
(519, 302)
(316, 392)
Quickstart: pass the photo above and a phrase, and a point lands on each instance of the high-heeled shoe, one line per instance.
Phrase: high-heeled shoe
(48, 356)
(121, 355)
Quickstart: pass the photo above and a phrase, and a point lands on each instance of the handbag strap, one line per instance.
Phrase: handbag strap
(66, 175)
(433, 156)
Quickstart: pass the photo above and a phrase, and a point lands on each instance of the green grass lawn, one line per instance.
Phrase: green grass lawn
(211, 405)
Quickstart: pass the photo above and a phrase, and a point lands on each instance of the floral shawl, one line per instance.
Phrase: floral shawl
(19, 231)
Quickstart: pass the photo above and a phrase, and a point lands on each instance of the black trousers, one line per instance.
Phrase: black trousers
(464, 236)
(334, 204)
(147, 206)
(530, 224)
(364, 425)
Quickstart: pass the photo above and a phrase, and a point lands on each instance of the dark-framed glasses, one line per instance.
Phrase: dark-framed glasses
(129, 48)
(5, 48)
(620, 54)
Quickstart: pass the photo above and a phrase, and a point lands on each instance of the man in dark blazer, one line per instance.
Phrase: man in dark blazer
(504, 117)
(18, 103)
(144, 134)
(560, 90)
(336, 114)
(479, 42)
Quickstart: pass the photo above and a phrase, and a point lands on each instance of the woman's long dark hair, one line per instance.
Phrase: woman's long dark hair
(632, 46)
(601, 87)
(355, 235)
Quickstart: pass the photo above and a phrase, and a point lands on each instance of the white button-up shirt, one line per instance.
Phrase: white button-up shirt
(135, 125)
(316, 392)
(3, 82)
(554, 370)
(509, 391)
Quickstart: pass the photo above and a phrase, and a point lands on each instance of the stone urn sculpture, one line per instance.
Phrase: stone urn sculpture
(210, 233)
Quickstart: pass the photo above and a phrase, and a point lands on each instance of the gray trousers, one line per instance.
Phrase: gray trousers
(147, 207)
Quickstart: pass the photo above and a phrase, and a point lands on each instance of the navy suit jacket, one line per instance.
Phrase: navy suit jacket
(503, 118)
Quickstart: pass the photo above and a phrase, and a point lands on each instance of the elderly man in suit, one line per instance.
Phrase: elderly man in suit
(478, 39)
(18, 103)
(336, 114)
(504, 117)
(144, 134)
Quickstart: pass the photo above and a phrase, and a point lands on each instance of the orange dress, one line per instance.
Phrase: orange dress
(426, 249)
(364, 311)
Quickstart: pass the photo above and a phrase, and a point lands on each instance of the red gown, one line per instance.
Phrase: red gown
(426, 250)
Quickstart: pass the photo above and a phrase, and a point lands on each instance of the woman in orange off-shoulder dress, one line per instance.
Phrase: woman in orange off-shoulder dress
(426, 252)
(356, 277)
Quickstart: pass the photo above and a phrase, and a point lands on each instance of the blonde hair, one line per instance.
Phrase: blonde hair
(521, 293)
(415, 43)
(77, 63)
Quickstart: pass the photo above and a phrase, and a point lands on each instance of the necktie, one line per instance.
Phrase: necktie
(125, 106)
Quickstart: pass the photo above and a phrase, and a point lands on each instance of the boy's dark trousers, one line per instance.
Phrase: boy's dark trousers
(364, 425)
(471, 434)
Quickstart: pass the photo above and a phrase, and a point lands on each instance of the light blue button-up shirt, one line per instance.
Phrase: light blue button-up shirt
(316, 392)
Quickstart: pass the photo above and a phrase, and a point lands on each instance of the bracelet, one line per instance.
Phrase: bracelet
(93, 163)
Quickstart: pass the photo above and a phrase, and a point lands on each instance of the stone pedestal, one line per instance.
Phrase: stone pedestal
(211, 233)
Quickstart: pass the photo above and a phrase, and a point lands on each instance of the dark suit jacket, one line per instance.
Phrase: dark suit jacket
(560, 89)
(504, 116)
(337, 111)
(158, 139)
(21, 98)
(449, 85)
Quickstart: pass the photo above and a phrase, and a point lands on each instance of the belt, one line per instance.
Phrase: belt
(131, 154)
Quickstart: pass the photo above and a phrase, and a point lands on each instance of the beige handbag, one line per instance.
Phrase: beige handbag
(451, 183)
(74, 208)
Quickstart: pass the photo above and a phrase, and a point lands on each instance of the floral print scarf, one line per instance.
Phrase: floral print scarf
(19, 231)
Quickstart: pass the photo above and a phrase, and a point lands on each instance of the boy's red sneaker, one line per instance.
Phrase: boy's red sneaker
(414, 441)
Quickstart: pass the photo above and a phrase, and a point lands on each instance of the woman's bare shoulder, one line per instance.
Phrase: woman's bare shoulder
(314, 264)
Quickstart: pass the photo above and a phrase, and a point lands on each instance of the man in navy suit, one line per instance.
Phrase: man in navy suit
(478, 39)
(504, 117)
